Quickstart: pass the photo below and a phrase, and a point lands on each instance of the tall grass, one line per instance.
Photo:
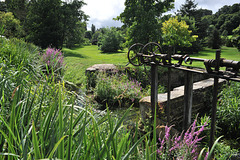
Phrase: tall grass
(39, 118)
(60, 129)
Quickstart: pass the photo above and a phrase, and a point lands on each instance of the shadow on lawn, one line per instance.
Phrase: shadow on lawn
(113, 52)
(204, 53)
(73, 54)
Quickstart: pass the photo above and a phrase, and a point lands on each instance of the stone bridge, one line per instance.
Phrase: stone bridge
(201, 103)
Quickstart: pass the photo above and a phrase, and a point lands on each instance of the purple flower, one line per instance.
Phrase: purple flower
(167, 130)
(205, 158)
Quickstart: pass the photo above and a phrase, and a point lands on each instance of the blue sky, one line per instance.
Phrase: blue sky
(102, 12)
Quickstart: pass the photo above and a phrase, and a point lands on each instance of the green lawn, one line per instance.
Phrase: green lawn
(229, 53)
(79, 59)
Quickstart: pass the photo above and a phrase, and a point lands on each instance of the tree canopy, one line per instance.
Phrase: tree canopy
(141, 19)
(176, 33)
(53, 22)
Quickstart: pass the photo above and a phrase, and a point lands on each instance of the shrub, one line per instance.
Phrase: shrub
(117, 90)
(111, 41)
(228, 112)
(11, 25)
(236, 37)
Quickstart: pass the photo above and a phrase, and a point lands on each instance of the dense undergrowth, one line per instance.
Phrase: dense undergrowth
(39, 117)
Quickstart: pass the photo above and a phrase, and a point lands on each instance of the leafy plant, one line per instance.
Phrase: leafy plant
(117, 90)
(228, 112)
(82, 134)
(182, 146)
(52, 61)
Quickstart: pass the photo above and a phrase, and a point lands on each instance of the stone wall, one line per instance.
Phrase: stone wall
(178, 78)
(202, 96)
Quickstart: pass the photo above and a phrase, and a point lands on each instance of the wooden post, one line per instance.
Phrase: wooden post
(214, 101)
(188, 97)
(154, 87)
(168, 96)
(169, 86)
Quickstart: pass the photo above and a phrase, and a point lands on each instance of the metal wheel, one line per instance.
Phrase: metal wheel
(133, 54)
(152, 49)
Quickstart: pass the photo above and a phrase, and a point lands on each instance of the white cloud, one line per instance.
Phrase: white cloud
(215, 5)
(102, 12)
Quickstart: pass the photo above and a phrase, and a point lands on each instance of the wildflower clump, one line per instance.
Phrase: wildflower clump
(184, 146)
(117, 90)
(52, 60)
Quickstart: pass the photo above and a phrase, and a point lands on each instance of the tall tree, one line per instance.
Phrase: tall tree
(214, 40)
(188, 8)
(93, 29)
(18, 8)
(177, 33)
(141, 19)
(73, 22)
(53, 22)
(44, 23)
(227, 18)
(3, 7)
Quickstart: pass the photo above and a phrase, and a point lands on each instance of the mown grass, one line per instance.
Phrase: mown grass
(229, 53)
(79, 59)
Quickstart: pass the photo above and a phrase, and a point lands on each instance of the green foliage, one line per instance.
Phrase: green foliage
(227, 18)
(117, 90)
(214, 40)
(52, 61)
(73, 23)
(223, 151)
(111, 40)
(188, 9)
(35, 108)
(236, 38)
(229, 111)
(210, 152)
(86, 134)
(18, 8)
(3, 7)
(44, 23)
(16, 53)
(141, 19)
(176, 33)
(11, 25)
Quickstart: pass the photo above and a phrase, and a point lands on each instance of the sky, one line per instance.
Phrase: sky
(102, 12)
